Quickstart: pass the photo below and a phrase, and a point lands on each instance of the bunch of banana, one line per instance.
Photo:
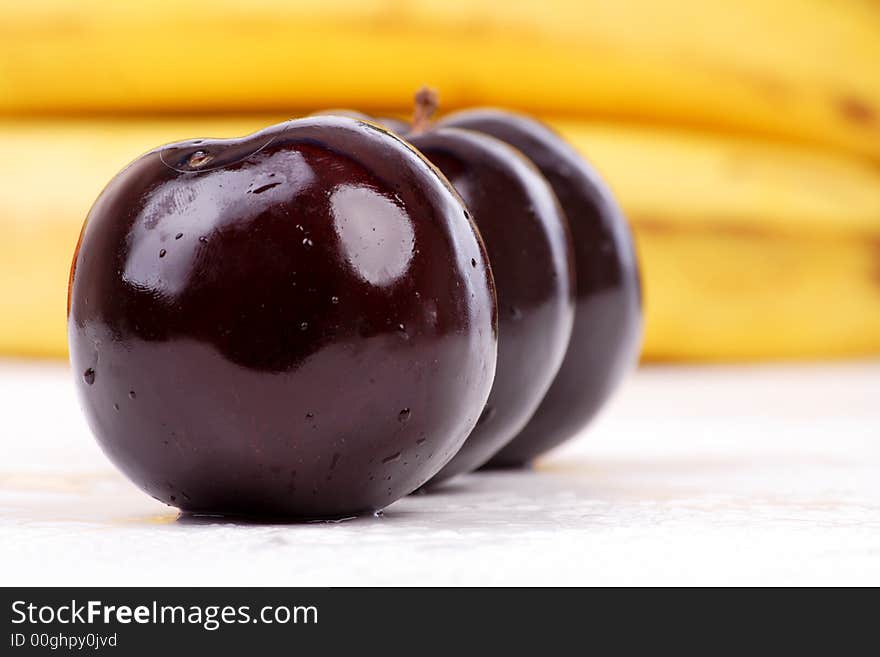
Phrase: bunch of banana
(750, 248)
(805, 70)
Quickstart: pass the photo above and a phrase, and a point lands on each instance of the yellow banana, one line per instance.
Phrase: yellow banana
(749, 249)
(805, 70)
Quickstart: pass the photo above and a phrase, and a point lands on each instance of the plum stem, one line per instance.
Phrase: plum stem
(426, 102)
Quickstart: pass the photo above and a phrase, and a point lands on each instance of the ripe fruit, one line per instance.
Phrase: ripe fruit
(608, 317)
(398, 126)
(395, 125)
(529, 247)
(350, 113)
(300, 322)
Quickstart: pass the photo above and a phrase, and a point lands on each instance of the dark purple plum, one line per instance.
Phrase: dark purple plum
(298, 323)
(529, 247)
(349, 113)
(607, 331)
(395, 125)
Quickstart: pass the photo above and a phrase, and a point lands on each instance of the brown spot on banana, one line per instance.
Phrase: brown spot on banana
(660, 226)
(875, 272)
(772, 87)
(744, 229)
(654, 225)
(856, 110)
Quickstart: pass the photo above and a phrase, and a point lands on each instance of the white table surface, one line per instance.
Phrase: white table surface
(737, 475)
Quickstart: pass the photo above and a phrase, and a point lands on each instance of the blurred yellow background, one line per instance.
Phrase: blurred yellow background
(742, 137)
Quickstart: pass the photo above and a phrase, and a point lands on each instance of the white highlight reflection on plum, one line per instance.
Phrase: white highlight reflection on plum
(375, 233)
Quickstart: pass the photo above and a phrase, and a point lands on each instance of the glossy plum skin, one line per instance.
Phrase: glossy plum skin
(529, 246)
(395, 125)
(300, 323)
(338, 111)
(607, 333)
